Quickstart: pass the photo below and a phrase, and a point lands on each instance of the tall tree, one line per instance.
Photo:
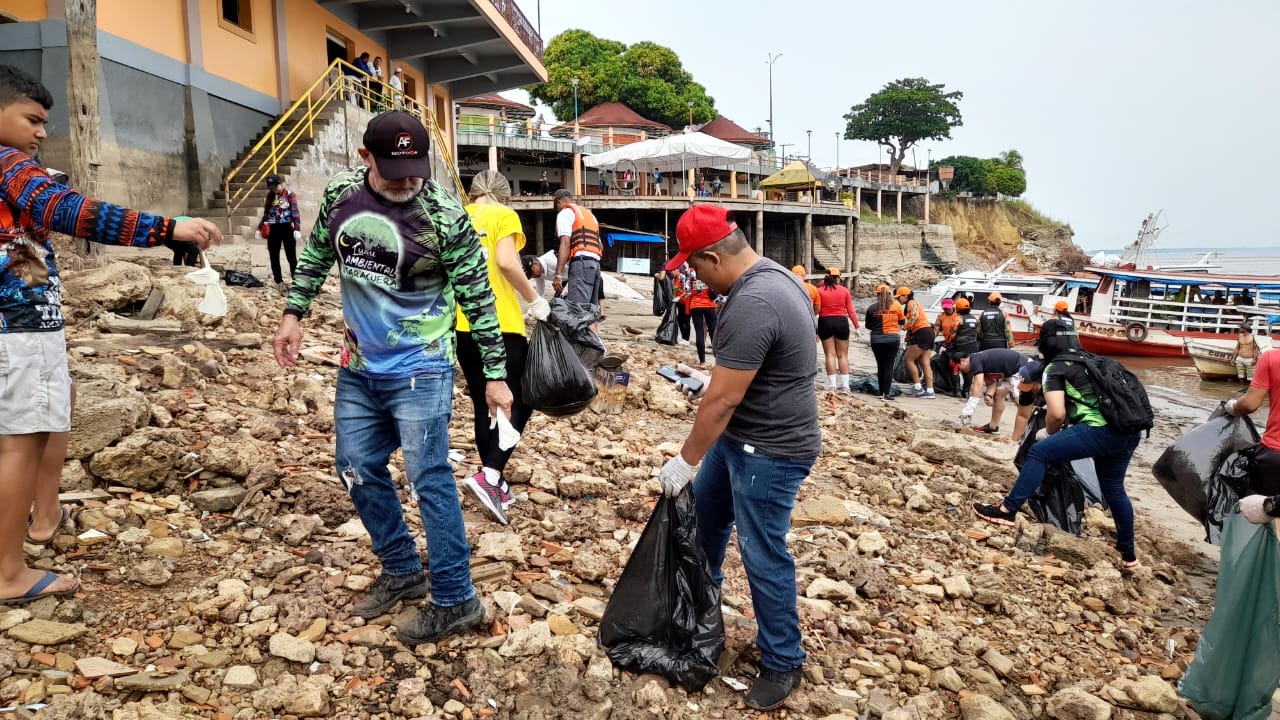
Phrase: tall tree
(1011, 159)
(903, 113)
(648, 77)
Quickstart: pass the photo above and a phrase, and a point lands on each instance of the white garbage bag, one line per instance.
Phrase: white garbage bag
(508, 436)
(215, 300)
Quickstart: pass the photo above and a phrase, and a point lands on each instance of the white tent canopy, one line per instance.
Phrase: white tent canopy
(673, 153)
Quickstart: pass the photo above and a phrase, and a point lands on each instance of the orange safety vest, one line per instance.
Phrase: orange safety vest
(586, 233)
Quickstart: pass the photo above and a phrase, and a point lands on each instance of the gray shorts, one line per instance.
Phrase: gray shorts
(580, 283)
(35, 386)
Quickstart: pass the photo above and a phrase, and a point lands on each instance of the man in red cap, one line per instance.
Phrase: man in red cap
(756, 432)
(405, 249)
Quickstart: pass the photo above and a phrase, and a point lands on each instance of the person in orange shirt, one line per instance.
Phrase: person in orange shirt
(835, 312)
(884, 321)
(702, 311)
(919, 344)
(946, 324)
(799, 272)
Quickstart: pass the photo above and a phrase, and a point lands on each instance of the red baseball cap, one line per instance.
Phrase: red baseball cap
(700, 227)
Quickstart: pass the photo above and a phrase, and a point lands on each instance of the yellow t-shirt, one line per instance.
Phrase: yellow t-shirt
(492, 223)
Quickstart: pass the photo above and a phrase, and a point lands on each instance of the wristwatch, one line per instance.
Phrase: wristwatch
(1269, 506)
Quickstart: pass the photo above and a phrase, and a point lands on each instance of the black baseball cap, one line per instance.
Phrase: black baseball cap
(400, 145)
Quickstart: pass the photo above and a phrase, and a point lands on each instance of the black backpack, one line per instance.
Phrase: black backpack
(1122, 399)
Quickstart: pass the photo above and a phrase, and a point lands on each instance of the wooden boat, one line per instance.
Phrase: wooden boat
(1214, 359)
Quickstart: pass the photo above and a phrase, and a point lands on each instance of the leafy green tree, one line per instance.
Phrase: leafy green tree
(902, 114)
(647, 77)
(1008, 181)
(1011, 159)
(971, 174)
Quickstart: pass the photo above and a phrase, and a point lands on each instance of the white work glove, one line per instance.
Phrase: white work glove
(257, 235)
(297, 235)
(676, 473)
(1251, 509)
(1041, 434)
(701, 377)
(969, 407)
(1230, 407)
(508, 436)
(539, 309)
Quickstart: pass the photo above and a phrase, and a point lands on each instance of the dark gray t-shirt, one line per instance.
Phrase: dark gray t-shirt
(767, 326)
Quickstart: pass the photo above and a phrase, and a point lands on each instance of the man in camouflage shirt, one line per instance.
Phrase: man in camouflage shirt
(406, 251)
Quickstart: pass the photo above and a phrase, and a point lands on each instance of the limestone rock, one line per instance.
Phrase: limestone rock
(235, 456)
(579, 486)
(152, 682)
(526, 641)
(241, 677)
(411, 698)
(105, 411)
(1148, 693)
(311, 700)
(152, 573)
(932, 649)
(829, 589)
(957, 586)
(948, 679)
(46, 632)
(500, 546)
(993, 461)
(145, 460)
(1074, 703)
(590, 565)
(998, 662)
(110, 287)
(216, 500)
(982, 707)
(872, 542)
(291, 648)
(823, 510)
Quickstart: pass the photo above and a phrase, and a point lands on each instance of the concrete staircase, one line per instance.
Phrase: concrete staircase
(827, 253)
(239, 225)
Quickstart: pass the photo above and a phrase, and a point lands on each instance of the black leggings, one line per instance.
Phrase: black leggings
(682, 320)
(280, 235)
(886, 353)
(704, 326)
(494, 457)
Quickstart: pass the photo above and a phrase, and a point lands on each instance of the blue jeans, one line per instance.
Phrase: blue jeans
(1110, 452)
(757, 492)
(373, 418)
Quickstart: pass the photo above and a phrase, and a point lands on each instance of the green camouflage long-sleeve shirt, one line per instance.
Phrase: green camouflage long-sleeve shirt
(402, 268)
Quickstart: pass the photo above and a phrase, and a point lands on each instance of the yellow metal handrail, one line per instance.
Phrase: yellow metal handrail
(343, 81)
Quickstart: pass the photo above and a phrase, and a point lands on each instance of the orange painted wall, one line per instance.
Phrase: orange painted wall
(305, 28)
(228, 54)
(28, 9)
(162, 32)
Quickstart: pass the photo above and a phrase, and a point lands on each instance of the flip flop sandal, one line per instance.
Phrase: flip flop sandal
(62, 521)
(37, 591)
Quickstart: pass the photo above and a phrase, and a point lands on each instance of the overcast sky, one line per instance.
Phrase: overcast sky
(1120, 107)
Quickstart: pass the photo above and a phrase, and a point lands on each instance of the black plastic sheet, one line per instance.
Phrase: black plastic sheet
(555, 381)
(871, 386)
(235, 278)
(662, 292)
(1189, 468)
(664, 615)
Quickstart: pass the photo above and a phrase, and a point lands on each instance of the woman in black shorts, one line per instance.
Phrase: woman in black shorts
(835, 312)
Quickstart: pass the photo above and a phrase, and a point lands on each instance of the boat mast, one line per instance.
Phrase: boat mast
(1147, 236)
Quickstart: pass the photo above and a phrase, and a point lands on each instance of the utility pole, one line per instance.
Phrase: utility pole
(82, 99)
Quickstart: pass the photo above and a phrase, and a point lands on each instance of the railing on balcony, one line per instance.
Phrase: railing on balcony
(521, 25)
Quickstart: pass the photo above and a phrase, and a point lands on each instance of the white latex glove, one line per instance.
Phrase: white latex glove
(969, 407)
(1251, 509)
(508, 436)
(690, 372)
(257, 235)
(539, 309)
(297, 235)
(675, 475)
(1041, 434)
(1230, 407)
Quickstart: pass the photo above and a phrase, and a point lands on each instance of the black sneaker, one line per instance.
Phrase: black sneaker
(434, 623)
(993, 514)
(772, 688)
(388, 590)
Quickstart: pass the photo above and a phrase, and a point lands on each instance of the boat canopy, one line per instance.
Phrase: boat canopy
(1212, 280)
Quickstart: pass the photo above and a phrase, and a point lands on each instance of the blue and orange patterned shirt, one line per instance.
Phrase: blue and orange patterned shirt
(283, 209)
(404, 267)
(33, 206)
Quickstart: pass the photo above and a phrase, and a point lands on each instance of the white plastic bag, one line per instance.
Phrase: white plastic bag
(215, 300)
(508, 436)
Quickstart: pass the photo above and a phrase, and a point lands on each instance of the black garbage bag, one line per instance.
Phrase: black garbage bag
(1081, 472)
(574, 320)
(900, 372)
(664, 615)
(945, 380)
(662, 292)
(871, 386)
(669, 329)
(1189, 468)
(555, 381)
(240, 279)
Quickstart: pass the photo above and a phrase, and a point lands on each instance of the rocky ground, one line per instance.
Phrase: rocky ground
(218, 555)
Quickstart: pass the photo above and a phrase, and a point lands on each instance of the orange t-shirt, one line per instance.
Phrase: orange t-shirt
(891, 320)
(916, 319)
(947, 325)
(701, 300)
(814, 297)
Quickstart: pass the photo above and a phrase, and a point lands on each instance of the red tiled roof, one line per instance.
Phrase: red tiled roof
(494, 101)
(612, 115)
(725, 129)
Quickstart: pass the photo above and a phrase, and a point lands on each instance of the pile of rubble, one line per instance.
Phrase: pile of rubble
(219, 555)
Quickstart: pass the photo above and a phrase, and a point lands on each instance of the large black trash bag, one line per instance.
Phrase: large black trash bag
(235, 278)
(669, 329)
(555, 381)
(945, 380)
(662, 292)
(574, 321)
(900, 372)
(1188, 469)
(664, 615)
(1068, 488)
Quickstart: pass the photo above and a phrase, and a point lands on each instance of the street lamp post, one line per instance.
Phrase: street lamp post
(928, 172)
(810, 152)
(577, 149)
(575, 102)
(772, 59)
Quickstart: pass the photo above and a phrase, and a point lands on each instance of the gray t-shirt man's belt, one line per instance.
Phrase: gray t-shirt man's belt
(767, 325)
